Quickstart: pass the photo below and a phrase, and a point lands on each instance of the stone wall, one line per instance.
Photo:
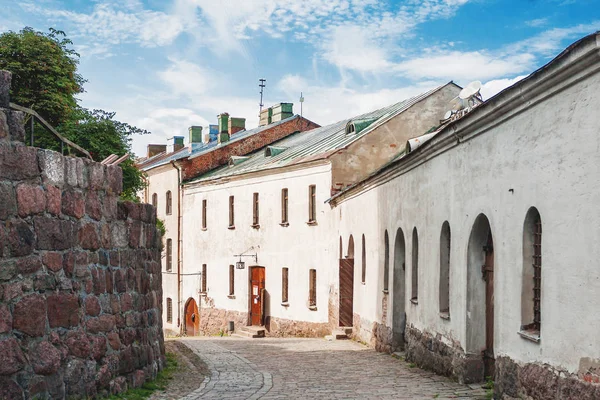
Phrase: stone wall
(543, 382)
(80, 281)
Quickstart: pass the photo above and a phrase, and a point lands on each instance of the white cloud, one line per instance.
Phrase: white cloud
(536, 23)
(465, 65)
(493, 87)
(550, 41)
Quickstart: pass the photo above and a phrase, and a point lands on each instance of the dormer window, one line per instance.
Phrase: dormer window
(350, 128)
(235, 160)
(272, 151)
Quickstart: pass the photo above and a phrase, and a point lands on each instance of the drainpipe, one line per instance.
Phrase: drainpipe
(179, 239)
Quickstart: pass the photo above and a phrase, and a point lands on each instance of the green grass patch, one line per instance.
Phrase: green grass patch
(489, 388)
(160, 383)
(412, 365)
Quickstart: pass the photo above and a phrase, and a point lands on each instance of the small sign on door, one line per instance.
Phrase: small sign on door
(255, 290)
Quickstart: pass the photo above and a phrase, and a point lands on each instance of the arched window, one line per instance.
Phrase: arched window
(154, 200)
(350, 253)
(386, 262)
(169, 205)
(415, 267)
(444, 288)
(364, 261)
(169, 255)
(531, 293)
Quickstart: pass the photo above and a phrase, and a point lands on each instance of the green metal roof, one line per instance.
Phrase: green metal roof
(314, 144)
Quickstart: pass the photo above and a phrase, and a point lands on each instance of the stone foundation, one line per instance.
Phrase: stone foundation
(279, 327)
(435, 354)
(543, 382)
(214, 321)
(382, 338)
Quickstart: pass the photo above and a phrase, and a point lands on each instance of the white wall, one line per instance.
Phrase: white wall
(299, 247)
(547, 156)
(161, 180)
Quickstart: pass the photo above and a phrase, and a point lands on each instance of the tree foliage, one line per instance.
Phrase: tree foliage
(98, 132)
(44, 72)
(45, 79)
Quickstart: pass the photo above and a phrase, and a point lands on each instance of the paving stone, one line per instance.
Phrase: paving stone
(311, 368)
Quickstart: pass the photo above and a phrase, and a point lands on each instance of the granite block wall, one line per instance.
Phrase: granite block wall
(80, 277)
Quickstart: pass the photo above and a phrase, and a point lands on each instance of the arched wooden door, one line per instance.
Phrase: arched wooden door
(192, 318)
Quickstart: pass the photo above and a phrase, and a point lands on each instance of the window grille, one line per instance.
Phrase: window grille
(312, 295)
(204, 214)
(363, 278)
(203, 288)
(415, 266)
(169, 254)
(231, 212)
(312, 203)
(154, 200)
(284, 285)
(284, 206)
(169, 310)
(231, 280)
(537, 273)
(255, 216)
(169, 207)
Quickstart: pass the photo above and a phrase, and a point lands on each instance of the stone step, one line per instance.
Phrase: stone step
(252, 331)
(337, 334)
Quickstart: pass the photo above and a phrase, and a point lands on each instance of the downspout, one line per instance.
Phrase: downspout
(179, 249)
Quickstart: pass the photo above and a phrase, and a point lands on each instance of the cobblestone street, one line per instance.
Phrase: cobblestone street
(313, 369)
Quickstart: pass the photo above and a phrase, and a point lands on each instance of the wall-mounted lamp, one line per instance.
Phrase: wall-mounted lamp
(240, 264)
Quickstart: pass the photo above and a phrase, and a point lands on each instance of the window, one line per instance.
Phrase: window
(531, 292)
(169, 208)
(415, 267)
(312, 289)
(363, 275)
(169, 310)
(169, 254)
(444, 288)
(204, 214)
(203, 288)
(231, 212)
(284, 285)
(284, 206)
(231, 280)
(312, 203)
(154, 200)
(255, 216)
(386, 262)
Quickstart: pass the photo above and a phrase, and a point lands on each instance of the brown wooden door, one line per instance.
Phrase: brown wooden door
(257, 286)
(488, 275)
(192, 318)
(346, 291)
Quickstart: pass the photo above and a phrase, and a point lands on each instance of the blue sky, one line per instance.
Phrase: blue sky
(164, 65)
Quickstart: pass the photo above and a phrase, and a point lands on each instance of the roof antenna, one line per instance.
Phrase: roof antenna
(301, 101)
(262, 86)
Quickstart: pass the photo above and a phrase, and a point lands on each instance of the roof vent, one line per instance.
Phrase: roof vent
(272, 151)
(235, 160)
(358, 125)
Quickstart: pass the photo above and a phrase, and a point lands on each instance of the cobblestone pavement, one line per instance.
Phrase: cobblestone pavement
(313, 369)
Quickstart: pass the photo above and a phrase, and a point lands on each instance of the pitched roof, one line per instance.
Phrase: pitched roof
(315, 144)
(193, 150)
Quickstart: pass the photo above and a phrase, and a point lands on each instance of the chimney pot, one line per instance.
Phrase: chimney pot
(175, 143)
(154, 149)
(236, 125)
(195, 134)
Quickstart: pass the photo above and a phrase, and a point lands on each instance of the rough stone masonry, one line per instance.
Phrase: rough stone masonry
(80, 282)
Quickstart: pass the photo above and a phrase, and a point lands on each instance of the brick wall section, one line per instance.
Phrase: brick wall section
(194, 167)
(80, 282)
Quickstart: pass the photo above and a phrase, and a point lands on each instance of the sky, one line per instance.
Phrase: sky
(164, 65)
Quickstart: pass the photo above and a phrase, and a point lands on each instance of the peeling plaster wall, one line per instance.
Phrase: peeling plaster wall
(546, 156)
(381, 145)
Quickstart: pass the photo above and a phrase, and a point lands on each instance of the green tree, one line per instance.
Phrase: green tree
(45, 79)
(44, 72)
(99, 133)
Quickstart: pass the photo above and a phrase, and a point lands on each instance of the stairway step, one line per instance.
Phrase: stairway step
(252, 331)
